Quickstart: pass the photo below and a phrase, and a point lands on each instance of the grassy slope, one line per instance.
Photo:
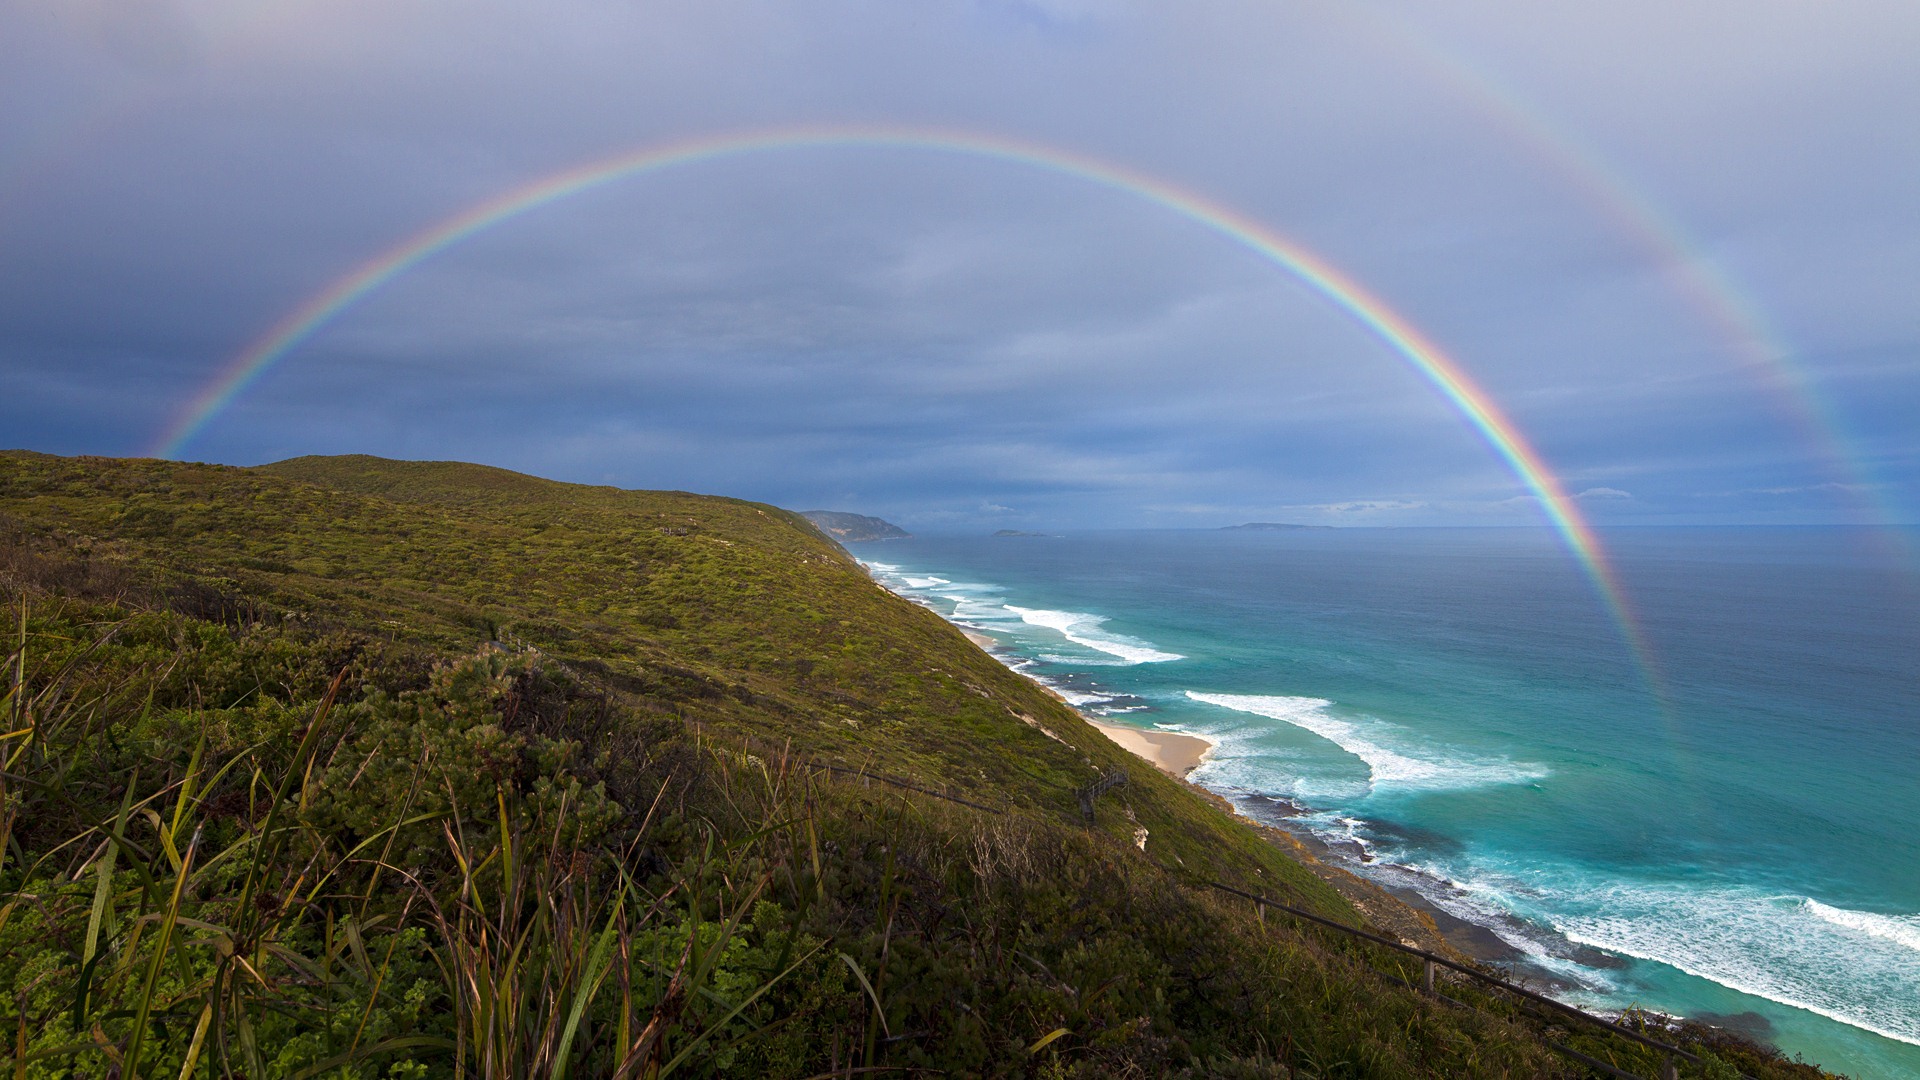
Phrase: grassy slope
(740, 615)
(698, 624)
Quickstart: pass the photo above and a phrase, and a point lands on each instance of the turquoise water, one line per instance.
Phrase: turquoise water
(1456, 705)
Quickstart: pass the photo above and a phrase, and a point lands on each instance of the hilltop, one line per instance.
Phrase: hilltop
(366, 768)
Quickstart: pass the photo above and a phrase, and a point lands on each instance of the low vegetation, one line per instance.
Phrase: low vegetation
(349, 767)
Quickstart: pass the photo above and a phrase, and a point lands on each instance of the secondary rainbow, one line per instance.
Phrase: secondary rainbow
(1750, 336)
(1327, 281)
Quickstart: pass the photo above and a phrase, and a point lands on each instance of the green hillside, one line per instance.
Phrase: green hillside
(354, 767)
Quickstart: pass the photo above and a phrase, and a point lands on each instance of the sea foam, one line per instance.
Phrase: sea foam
(1080, 699)
(1852, 966)
(1859, 968)
(974, 602)
(1899, 929)
(1367, 740)
(1083, 629)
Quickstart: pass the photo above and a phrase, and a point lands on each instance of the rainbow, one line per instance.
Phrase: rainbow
(1747, 333)
(1345, 294)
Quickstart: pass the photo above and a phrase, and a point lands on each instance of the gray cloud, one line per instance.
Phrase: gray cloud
(939, 337)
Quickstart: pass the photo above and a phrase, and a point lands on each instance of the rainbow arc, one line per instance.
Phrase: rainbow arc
(1325, 280)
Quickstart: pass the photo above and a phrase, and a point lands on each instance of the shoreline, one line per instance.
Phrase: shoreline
(1471, 939)
(1178, 754)
(1478, 940)
(1172, 752)
(1408, 903)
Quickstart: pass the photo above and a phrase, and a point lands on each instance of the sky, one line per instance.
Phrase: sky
(1676, 248)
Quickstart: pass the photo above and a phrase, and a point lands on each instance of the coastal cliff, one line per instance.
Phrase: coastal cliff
(341, 764)
(854, 528)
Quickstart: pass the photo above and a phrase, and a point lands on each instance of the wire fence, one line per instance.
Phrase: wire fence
(1430, 960)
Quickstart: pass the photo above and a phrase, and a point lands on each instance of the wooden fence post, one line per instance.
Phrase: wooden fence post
(1086, 795)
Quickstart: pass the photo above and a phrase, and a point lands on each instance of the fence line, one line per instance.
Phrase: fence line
(1431, 959)
(899, 783)
(1112, 779)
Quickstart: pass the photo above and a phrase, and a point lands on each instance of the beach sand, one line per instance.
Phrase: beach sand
(1169, 751)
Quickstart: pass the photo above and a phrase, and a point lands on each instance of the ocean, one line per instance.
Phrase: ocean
(1729, 829)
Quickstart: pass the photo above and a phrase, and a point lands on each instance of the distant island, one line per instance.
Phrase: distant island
(1269, 526)
(854, 528)
(1019, 532)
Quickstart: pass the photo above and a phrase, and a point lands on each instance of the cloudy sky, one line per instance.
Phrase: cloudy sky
(1676, 245)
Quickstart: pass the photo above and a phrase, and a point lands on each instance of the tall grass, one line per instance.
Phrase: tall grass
(228, 933)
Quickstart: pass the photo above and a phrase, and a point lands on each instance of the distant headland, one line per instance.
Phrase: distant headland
(854, 528)
(1022, 532)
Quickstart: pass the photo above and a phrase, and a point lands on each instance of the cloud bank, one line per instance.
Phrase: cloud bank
(938, 338)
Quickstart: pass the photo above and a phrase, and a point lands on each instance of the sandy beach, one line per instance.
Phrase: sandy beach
(1169, 751)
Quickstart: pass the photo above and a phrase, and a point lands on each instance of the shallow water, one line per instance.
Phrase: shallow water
(1736, 824)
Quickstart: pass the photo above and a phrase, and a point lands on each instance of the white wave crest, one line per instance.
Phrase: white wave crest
(1900, 929)
(1079, 699)
(1084, 629)
(1366, 741)
(971, 609)
(1849, 966)
(1083, 661)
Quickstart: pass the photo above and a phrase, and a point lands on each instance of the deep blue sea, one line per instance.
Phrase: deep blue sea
(1736, 833)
